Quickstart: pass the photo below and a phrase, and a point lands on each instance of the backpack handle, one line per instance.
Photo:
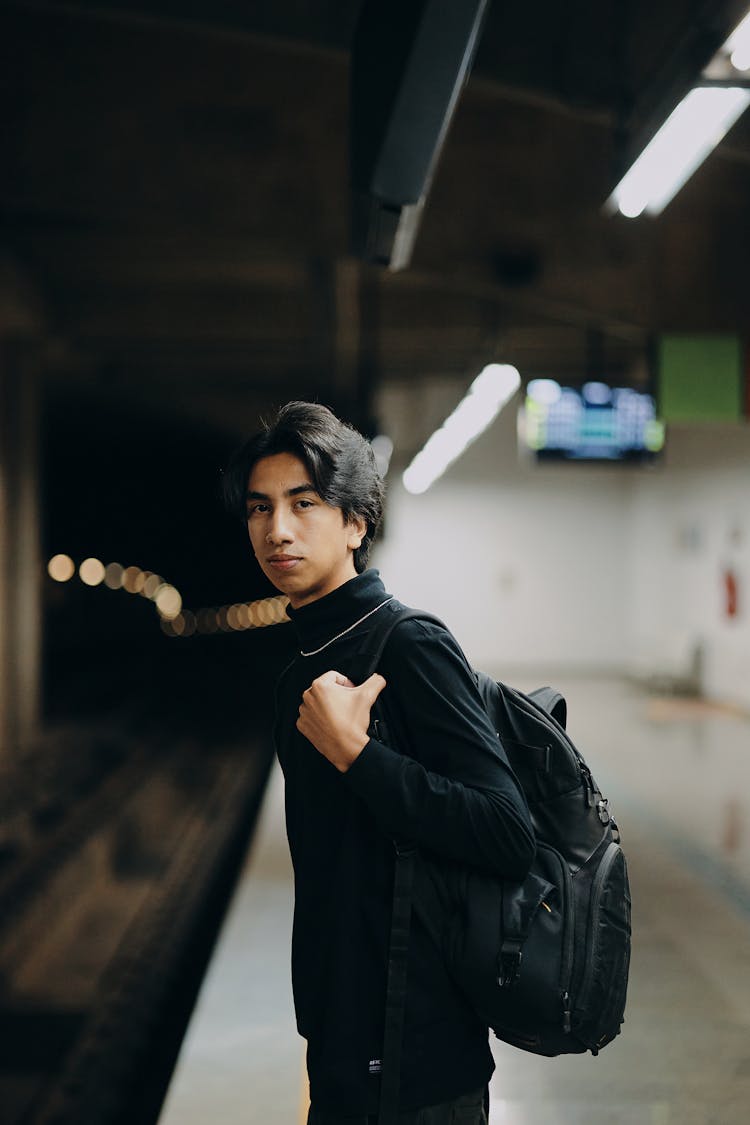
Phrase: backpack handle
(552, 702)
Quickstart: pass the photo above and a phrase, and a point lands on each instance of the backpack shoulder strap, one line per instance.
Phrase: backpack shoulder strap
(368, 660)
(371, 651)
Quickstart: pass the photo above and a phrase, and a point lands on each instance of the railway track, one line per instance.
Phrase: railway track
(106, 926)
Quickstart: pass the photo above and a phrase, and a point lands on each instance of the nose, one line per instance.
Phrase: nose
(278, 530)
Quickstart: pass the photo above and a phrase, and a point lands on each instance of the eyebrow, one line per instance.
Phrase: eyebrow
(298, 488)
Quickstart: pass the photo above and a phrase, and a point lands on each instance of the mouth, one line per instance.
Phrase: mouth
(283, 562)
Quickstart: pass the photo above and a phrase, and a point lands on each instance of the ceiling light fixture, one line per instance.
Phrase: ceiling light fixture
(486, 397)
(698, 123)
(738, 45)
(690, 133)
(382, 448)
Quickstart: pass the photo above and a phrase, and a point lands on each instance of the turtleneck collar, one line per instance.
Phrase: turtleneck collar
(319, 621)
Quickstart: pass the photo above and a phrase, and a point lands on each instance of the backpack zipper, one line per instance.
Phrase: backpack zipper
(566, 962)
(596, 894)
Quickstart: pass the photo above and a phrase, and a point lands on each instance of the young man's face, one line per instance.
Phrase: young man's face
(302, 544)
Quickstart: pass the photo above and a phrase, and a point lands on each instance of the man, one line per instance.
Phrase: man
(313, 500)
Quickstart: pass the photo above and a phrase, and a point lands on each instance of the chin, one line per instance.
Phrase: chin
(287, 586)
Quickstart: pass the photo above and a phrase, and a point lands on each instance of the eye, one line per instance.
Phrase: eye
(256, 508)
(305, 503)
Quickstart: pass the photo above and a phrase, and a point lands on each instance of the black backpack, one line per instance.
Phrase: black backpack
(543, 962)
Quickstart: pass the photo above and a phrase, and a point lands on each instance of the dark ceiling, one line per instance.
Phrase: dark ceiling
(175, 199)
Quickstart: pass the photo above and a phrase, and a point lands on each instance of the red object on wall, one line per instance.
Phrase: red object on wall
(730, 593)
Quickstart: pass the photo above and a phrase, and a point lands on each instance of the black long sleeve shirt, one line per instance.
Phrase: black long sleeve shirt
(444, 789)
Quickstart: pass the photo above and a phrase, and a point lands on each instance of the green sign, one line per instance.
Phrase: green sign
(700, 378)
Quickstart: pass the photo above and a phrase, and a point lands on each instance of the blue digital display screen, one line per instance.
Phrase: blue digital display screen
(595, 422)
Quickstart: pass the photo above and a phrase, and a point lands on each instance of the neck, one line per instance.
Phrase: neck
(319, 620)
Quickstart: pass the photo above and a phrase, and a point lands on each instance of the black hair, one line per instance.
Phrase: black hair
(339, 459)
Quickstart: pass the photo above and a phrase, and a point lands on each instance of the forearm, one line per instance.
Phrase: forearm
(487, 828)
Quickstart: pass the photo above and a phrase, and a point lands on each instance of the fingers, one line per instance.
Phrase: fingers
(330, 677)
(371, 687)
(374, 685)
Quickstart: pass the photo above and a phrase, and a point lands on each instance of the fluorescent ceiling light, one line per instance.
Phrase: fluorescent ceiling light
(684, 141)
(382, 448)
(486, 397)
(738, 45)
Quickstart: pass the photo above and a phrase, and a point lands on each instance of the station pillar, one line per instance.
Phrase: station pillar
(20, 551)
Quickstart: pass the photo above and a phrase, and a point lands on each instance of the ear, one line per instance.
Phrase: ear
(357, 531)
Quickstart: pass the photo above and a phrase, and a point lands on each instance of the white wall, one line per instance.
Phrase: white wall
(527, 565)
(690, 522)
(587, 568)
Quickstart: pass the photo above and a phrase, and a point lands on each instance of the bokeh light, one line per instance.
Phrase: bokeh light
(189, 623)
(168, 601)
(113, 574)
(133, 579)
(61, 568)
(206, 621)
(151, 585)
(174, 620)
(91, 571)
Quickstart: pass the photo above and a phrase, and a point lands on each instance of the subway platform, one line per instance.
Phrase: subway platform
(677, 772)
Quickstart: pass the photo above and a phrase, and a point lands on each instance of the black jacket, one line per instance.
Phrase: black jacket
(445, 791)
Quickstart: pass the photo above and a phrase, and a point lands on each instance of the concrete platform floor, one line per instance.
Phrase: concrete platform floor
(678, 777)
